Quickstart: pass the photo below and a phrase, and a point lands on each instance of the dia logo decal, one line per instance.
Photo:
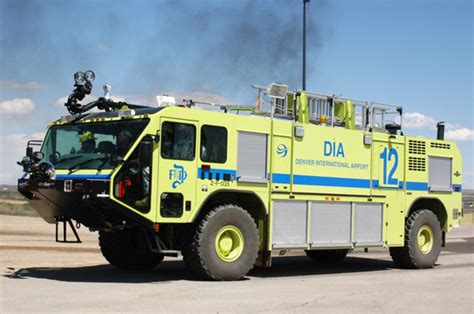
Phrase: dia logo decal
(178, 174)
(282, 150)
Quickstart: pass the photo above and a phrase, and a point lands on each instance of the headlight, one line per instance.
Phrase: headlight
(47, 169)
(51, 174)
(79, 78)
(37, 156)
(90, 76)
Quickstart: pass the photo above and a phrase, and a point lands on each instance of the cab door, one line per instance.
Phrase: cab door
(177, 169)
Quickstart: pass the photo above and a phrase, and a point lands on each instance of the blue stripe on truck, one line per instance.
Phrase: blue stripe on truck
(83, 176)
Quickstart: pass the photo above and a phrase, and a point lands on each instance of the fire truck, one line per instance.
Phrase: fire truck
(227, 187)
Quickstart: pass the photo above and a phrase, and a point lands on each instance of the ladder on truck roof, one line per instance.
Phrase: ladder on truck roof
(275, 101)
(331, 110)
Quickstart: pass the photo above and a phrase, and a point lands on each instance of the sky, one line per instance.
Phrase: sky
(416, 53)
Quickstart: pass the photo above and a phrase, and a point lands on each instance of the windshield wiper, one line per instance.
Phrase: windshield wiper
(68, 158)
(113, 158)
(78, 166)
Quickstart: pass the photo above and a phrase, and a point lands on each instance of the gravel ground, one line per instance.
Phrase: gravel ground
(39, 275)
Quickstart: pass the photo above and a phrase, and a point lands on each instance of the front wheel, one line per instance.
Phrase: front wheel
(423, 241)
(224, 245)
(126, 249)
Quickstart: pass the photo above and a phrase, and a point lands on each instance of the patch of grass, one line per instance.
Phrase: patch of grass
(11, 195)
(17, 209)
(18, 206)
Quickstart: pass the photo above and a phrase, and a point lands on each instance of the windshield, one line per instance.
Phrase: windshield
(90, 145)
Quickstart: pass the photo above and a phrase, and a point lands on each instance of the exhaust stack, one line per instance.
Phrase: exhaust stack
(440, 127)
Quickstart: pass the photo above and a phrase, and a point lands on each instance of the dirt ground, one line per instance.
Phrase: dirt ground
(39, 275)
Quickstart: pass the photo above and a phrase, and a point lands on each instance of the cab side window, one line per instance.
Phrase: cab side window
(178, 141)
(213, 144)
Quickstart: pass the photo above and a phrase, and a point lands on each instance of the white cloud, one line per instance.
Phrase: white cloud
(12, 149)
(16, 107)
(16, 143)
(13, 84)
(416, 120)
(454, 132)
(463, 134)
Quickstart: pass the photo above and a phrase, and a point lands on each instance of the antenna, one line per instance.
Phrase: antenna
(304, 43)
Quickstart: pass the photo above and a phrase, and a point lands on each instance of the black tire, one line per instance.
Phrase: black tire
(410, 255)
(327, 256)
(200, 251)
(126, 249)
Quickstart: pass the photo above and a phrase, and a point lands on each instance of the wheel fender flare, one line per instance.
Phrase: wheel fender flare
(214, 196)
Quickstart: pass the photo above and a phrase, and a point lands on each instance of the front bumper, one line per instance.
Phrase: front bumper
(84, 200)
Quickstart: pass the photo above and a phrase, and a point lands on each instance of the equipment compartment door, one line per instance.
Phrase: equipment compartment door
(177, 173)
(289, 224)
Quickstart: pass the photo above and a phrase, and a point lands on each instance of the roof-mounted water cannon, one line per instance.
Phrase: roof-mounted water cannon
(83, 87)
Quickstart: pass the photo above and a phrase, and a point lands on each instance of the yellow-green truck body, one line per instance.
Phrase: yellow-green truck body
(327, 166)
(323, 188)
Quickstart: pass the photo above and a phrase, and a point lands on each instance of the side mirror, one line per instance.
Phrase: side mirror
(29, 152)
(145, 151)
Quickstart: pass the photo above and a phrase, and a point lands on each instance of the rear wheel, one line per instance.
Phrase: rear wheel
(327, 256)
(423, 238)
(127, 249)
(224, 244)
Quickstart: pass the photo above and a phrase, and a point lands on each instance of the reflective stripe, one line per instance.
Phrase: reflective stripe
(283, 178)
(331, 181)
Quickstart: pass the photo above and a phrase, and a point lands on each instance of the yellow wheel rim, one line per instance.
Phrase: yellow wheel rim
(229, 243)
(425, 239)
